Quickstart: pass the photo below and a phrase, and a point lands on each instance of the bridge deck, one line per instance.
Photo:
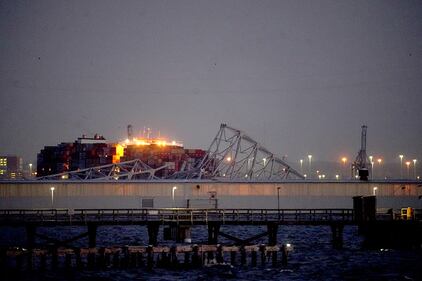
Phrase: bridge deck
(51, 217)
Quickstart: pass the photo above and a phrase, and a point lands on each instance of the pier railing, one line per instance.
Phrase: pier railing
(176, 215)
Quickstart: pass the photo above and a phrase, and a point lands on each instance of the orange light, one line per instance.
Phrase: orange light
(149, 141)
(408, 163)
(119, 153)
(344, 159)
(379, 160)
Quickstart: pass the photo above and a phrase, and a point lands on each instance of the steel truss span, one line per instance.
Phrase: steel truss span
(129, 170)
(233, 155)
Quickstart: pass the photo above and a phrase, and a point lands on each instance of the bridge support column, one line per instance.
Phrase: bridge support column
(337, 232)
(272, 229)
(31, 231)
(213, 232)
(92, 235)
(153, 228)
(178, 233)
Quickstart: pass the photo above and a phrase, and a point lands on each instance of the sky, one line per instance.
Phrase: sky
(300, 77)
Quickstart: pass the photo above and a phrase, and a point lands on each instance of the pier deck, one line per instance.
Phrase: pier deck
(52, 217)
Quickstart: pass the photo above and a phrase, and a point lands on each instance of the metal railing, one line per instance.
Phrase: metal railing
(184, 215)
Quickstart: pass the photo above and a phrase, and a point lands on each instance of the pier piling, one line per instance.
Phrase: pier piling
(153, 229)
(213, 232)
(337, 234)
(92, 235)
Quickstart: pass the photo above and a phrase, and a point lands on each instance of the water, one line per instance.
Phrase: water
(312, 257)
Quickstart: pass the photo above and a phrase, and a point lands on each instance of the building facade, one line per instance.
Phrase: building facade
(11, 167)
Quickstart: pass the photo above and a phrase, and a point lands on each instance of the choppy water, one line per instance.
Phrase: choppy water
(312, 258)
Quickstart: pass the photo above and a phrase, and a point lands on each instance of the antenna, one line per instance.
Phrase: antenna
(130, 132)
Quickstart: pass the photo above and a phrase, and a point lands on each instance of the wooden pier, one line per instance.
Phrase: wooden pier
(186, 256)
(177, 222)
(183, 215)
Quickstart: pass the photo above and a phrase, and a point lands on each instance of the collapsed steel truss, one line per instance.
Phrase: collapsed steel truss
(129, 170)
(233, 155)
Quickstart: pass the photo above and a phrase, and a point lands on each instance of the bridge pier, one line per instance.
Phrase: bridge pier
(153, 228)
(92, 235)
(178, 232)
(31, 231)
(337, 234)
(272, 229)
(213, 232)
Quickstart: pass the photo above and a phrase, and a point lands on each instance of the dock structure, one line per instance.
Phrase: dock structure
(177, 222)
(176, 256)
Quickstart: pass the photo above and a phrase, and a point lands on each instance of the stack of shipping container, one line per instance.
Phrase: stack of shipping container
(91, 152)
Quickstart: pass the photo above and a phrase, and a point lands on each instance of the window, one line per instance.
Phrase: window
(147, 202)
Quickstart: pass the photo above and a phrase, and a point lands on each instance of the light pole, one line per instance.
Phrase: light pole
(278, 199)
(310, 165)
(372, 166)
(374, 190)
(414, 168)
(344, 160)
(301, 166)
(379, 162)
(408, 172)
(172, 194)
(30, 170)
(52, 196)
(401, 165)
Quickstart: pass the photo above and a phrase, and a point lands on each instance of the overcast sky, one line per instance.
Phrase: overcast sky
(298, 76)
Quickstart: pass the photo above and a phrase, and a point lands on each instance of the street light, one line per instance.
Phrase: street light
(172, 194)
(379, 160)
(401, 165)
(30, 169)
(52, 196)
(408, 165)
(301, 166)
(374, 190)
(344, 160)
(414, 168)
(372, 166)
(278, 200)
(310, 165)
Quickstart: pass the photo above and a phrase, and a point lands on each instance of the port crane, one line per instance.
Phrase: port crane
(361, 163)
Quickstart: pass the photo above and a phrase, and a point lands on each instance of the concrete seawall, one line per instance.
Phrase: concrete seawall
(135, 194)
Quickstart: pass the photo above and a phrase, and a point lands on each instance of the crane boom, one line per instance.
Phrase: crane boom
(360, 166)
